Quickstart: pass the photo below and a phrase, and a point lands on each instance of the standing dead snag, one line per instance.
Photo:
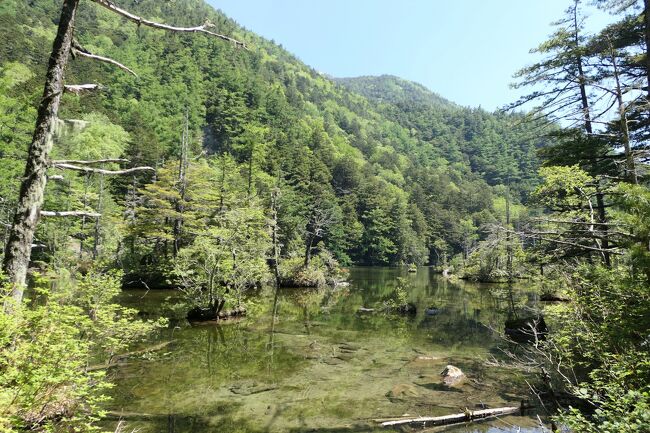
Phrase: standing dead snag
(32, 190)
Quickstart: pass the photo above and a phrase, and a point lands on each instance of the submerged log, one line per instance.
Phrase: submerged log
(116, 359)
(468, 415)
(131, 416)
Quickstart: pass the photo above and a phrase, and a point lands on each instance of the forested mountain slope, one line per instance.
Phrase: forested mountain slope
(379, 169)
(500, 147)
(394, 90)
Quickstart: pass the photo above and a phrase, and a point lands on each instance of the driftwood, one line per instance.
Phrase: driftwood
(115, 359)
(430, 421)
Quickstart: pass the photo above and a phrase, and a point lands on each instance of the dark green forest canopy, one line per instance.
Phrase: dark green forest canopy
(396, 167)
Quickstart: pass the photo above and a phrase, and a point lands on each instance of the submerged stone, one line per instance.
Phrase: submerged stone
(402, 391)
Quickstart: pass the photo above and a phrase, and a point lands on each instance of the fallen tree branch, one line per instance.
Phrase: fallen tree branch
(101, 170)
(575, 222)
(45, 213)
(430, 421)
(80, 88)
(78, 50)
(141, 21)
(86, 162)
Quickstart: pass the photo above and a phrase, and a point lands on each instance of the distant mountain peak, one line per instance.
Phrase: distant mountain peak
(394, 90)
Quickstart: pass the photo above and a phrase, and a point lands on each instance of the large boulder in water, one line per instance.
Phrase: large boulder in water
(452, 376)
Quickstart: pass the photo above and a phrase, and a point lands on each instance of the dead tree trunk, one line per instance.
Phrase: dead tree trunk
(30, 201)
(182, 186)
(630, 164)
(586, 113)
(646, 31)
(32, 189)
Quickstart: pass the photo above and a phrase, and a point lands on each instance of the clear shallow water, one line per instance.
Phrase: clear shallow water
(322, 366)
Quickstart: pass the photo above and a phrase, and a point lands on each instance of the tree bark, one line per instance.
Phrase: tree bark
(630, 164)
(183, 165)
(646, 31)
(30, 201)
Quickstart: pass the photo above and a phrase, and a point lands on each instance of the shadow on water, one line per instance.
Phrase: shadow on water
(318, 365)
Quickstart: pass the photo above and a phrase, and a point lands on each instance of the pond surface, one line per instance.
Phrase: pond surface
(324, 367)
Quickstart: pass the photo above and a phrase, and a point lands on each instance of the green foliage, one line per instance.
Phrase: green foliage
(603, 340)
(46, 346)
(226, 259)
(398, 296)
(393, 175)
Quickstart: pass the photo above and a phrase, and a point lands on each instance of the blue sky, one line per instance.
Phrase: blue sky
(465, 50)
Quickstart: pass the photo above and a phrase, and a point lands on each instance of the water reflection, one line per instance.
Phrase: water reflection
(318, 365)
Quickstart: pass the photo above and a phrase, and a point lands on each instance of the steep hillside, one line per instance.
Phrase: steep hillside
(497, 146)
(402, 177)
(394, 90)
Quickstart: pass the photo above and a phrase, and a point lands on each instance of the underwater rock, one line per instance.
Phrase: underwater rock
(345, 356)
(452, 376)
(251, 388)
(332, 361)
(403, 390)
(349, 347)
(432, 311)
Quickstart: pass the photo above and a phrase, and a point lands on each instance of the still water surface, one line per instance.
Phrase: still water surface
(322, 366)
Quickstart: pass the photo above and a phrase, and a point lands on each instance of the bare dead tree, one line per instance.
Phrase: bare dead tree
(28, 210)
(320, 220)
(183, 166)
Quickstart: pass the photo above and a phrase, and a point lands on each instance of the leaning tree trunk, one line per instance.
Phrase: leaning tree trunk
(646, 31)
(19, 242)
